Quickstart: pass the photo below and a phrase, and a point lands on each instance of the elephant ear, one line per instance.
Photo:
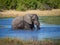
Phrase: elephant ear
(35, 17)
(27, 18)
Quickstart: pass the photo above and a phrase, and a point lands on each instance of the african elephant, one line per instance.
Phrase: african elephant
(26, 22)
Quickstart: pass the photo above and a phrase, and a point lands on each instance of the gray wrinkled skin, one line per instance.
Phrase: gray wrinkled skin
(26, 22)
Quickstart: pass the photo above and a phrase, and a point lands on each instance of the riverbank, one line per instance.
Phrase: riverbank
(15, 41)
(14, 13)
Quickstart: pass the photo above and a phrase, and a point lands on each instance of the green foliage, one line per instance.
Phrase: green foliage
(29, 4)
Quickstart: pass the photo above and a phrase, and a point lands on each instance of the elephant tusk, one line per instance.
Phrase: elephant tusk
(35, 27)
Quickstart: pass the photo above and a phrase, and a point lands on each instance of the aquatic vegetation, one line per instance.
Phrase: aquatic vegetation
(1, 26)
(50, 19)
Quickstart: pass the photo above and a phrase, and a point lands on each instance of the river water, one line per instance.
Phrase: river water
(46, 31)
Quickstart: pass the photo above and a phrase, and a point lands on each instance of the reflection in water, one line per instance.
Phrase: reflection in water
(46, 31)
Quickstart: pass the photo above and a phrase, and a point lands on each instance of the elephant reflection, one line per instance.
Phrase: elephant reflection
(26, 22)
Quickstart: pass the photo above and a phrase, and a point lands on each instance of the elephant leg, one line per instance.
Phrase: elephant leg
(27, 26)
(31, 26)
(38, 27)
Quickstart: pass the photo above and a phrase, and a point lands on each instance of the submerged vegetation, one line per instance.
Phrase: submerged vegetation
(50, 19)
(14, 41)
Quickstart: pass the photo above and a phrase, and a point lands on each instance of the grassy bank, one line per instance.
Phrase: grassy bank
(14, 41)
(14, 13)
(50, 19)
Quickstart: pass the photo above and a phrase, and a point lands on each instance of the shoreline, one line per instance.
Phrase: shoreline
(14, 13)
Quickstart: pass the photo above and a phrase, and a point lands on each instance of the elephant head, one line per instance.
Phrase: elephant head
(32, 19)
(35, 20)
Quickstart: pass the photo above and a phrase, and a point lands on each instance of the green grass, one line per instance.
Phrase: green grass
(50, 19)
(57, 41)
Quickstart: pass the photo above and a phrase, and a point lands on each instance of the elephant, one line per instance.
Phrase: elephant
(26, 22)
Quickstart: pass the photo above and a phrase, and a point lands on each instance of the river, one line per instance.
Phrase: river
(46, 31)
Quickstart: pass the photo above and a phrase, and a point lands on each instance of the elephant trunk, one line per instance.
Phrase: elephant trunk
(37, 24)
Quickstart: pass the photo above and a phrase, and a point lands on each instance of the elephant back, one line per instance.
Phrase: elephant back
(17, 21)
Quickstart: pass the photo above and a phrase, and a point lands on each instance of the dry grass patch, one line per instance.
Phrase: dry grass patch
(14, 13)
(14, 41)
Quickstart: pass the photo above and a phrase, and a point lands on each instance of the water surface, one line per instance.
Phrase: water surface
(46, 31)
